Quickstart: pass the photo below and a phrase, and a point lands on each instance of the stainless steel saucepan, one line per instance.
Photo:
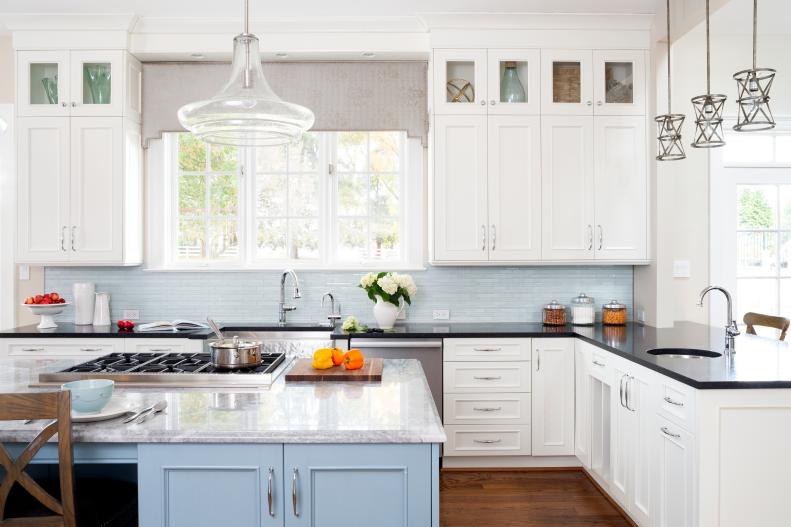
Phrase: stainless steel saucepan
(234, 354)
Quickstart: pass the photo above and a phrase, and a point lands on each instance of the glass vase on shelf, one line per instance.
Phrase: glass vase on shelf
(511, 89)
(51, 88)
(97, 77)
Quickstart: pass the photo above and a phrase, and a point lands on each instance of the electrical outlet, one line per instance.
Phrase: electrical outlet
(441, 314)
(130, 314)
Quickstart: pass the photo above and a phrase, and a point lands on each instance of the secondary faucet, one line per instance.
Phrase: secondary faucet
(333, 316)
(731, 329)
(283, 308)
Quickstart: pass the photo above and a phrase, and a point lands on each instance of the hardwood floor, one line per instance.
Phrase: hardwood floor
(481, 498)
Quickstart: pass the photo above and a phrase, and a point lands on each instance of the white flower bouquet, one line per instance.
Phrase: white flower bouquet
(390, 287)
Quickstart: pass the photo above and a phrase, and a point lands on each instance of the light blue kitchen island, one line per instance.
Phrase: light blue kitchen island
(323, 455)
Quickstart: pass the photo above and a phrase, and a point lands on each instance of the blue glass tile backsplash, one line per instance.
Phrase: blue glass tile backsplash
(472, 294)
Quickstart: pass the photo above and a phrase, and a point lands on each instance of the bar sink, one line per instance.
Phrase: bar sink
(685, 353)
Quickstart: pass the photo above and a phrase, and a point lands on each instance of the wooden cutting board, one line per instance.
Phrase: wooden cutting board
(303, 371)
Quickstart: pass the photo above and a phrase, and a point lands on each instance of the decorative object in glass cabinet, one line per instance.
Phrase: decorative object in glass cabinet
(566, 82)
(511, 89)
(44, 83)
(96, 86)
(619, 82)
(460, 85)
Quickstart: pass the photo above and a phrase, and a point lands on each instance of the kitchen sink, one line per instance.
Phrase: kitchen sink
(685, 353)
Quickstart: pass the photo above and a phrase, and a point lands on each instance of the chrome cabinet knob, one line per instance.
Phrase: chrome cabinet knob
(73, 104)
(63, 104)
(483, 103)
(598, 103)
(589, 103)
(492, 102)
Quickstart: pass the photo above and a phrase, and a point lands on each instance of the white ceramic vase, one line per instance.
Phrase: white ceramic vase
(386, 313)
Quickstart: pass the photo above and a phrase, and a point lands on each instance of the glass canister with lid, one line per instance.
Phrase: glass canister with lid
(613, 313)
(554, 314)
(583, 310)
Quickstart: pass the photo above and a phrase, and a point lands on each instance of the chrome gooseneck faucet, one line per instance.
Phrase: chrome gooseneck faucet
(731, 329)
(283, 308)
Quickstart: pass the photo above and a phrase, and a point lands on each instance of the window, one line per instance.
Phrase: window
(332, 200)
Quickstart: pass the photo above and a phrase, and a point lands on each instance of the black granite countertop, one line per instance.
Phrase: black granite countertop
(758, 362)
(70, 330)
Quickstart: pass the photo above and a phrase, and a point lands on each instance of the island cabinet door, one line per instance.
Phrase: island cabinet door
(198, 485)
(358, 485)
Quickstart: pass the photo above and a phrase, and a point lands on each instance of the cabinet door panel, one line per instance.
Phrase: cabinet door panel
(622, 441)
(674, 475)
(510, 69)
(620, 183)
(390, 485)
(553, 397)
(460, 219)
(514, 181)
(43, 206)
(640, 399)
(460, 82)
(619, 82)
(96, 189)
(567, 87)
(177, 482)
(582, 403)
(43, 83)
(567, 188)
(96, 82)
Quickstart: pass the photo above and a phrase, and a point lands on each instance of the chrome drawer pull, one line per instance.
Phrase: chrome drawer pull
(269, 492)
(158, 349)
(487, 349)
(32, 349)
(597, 363)
(488, 409)
(487, 441)
(91, 349)
(669, 433)
(671, 401)
(488, 378)
(294, 492)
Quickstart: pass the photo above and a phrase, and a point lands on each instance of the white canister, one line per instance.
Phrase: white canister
(583, 311)
(101, 310)
(84, 297)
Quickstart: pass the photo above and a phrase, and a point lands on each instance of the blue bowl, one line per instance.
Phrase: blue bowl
(89, 395)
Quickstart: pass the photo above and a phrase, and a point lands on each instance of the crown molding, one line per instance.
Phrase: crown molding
(262, 26)
(69, 22)
(528, 21)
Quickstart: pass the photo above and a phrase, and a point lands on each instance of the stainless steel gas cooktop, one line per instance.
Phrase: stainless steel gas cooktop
(169, 369)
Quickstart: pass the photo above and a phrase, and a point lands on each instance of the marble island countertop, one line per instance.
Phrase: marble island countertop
(400, 409)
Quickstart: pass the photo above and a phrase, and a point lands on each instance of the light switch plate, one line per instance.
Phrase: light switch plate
(24, 272)
(681, 269)
(130, 314)
(441, 314)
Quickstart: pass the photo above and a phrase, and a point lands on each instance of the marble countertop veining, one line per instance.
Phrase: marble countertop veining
(400, 409)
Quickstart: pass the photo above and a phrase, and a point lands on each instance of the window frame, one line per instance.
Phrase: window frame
(162, 159)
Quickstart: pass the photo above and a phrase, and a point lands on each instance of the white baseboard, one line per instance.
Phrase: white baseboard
(510, 462)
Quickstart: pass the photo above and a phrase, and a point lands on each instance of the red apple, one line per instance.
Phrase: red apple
(38, 299)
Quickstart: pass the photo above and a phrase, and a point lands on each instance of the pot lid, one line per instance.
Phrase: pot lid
(234, 343)
(583, 299)
(554, 305)
(614, 304)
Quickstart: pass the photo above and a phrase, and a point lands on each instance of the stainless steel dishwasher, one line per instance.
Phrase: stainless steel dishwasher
(427, 351)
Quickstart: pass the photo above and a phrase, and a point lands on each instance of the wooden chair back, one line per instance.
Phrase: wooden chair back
(44, 405)
(769, 321)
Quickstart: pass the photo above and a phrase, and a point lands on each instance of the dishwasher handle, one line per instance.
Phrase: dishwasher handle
(395, 343)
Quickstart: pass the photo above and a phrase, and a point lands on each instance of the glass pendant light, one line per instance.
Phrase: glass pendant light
(708, 107)
(753, 86)
(670, 147)
(246, 112)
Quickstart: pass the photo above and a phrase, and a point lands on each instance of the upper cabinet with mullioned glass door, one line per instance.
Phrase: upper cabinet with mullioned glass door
(480, 82)
(86, 83)
(585, 82)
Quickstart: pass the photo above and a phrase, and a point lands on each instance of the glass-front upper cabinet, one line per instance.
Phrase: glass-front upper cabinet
(513, 81)
(567, 77)
(619, 82)
(79, 83)
(460, 81)
(43, 83)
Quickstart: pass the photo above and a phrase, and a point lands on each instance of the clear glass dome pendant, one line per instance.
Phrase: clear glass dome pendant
(708, 107)
(753, 87)
(246, 112)
(668, 133)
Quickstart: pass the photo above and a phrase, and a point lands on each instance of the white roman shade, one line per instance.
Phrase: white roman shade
(366, 96)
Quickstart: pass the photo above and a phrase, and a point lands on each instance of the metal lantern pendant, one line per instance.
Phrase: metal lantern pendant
(708, 107)
(753, 86)
(670, 147)
(246, 112)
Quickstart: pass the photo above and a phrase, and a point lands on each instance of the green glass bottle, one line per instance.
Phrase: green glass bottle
(511, 89)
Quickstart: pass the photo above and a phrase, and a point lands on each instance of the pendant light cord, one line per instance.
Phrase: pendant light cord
(708, 53)
(755, 30)
(246, 17)
(668, 58)
(247, 73)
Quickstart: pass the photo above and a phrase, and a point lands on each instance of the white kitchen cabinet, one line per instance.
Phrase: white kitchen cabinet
(600, 379)
(514, 188)
(567, 178)
(675, 466)
(582, 438)
(567, 82)
(460, 203)
(160, 345)
(619, 82)
(78, 83)
(89, 171)
(620, 188)
(553, 397)
(65, 348)
(505, 64)
(621, 438)
(460, 82)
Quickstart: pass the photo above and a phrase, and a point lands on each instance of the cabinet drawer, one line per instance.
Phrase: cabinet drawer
(137, 345)
(493, 377)
(484, 408)
(487, 440)
(53, 348)
(677, 403)
(487, 350)
(600, 366)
